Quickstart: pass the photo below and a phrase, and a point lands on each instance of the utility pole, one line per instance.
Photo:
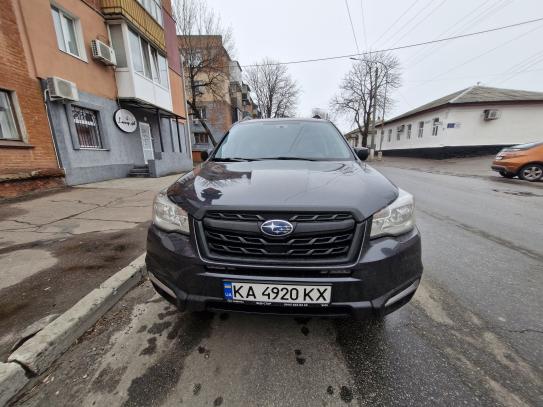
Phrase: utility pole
(373, 127)
(383, 119)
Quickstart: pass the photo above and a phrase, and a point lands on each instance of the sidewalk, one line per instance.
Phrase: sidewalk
(56, 248)
(467, 167)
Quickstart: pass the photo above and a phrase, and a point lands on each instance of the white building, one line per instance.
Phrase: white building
(477, 119)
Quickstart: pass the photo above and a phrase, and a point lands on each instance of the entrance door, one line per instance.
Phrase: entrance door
(146, 142)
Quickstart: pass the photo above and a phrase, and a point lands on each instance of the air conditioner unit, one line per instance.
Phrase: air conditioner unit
(62, 89)
(103, 53)
(491, 114)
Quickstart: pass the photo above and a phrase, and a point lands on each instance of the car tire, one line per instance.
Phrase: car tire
(506, 174)
(531, 172)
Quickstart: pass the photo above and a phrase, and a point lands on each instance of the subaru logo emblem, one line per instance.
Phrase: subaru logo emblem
(277, 227)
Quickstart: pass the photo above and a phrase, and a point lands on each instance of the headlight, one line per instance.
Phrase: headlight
(395, 219)
(168, 216)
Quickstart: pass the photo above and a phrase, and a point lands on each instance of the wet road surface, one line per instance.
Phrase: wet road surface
(471, 336)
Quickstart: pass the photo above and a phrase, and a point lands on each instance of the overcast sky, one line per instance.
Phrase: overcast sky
(288, 30)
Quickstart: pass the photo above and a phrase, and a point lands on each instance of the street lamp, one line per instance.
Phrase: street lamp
(372, 144)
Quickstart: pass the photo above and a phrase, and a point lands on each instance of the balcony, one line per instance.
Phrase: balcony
(133, 12)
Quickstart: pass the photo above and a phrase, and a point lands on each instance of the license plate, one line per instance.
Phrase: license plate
(277, 293)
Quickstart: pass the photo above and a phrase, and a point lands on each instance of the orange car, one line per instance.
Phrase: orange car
(523, 160)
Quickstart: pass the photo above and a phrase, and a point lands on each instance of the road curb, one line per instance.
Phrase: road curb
(12, 380)
(38, 353)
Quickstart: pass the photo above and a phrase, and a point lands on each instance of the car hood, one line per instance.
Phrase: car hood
(284, 186)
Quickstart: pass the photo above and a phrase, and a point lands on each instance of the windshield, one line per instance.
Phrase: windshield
(319, 141)
(526, 146)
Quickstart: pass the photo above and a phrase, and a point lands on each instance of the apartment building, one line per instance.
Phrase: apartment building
(230, 100)
(28, 160)
(112, 84)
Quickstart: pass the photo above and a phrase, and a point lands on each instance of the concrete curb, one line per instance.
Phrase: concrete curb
(38, 353)
(12, 380)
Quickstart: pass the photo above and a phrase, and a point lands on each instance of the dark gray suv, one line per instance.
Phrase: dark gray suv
(284, 217)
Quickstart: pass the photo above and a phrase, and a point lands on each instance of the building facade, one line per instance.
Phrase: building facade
(475, 120)
(111, 80)
(229, 102)
(28, 159)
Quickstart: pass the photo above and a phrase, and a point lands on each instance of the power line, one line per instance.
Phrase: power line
(406, 24)
(396, 21)
(363, 23)
(352, 26)
(448, 78)
(526, 61)
(488, 51)
(420, 22)
(302, 61)
(467, 18)
(522, 66)
(482, 15)
(521, 71)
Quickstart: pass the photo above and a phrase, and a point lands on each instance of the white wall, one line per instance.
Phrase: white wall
(516, 124)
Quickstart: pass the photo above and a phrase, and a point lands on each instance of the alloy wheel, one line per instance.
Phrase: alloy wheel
(532, 172)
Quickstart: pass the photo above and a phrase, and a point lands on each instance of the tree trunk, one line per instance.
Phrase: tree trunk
(196, 113)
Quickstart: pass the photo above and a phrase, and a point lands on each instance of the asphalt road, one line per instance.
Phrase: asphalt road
(472, 335)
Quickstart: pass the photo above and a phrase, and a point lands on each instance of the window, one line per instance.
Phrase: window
(421, 129)
(116, 34)
(203, 113)
(68, 33)
(409, 132)
(389, 135)
(195, 59)
(201, 138)
(135, 50)
(163, 70)
(198, 87)
(9, 130)
(86, 126)
(147, 60)
(435, 126)
(398, 133)
(154, 8)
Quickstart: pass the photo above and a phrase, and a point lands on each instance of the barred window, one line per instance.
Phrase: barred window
(435, 126)
(9, 129)
(201, 138)
(86, 125)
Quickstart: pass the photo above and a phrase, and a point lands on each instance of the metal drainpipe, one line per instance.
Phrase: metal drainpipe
(49, 123)
(187, 125)
(160, 130)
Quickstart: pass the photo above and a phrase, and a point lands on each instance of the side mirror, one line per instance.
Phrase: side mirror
(204, 155)
(362, 153)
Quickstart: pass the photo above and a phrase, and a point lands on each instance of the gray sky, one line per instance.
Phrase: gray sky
(289, 30)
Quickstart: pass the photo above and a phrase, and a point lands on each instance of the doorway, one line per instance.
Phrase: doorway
(146, 142)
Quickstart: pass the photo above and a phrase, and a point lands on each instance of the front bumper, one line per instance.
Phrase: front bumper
(385, 277)
(504, 166)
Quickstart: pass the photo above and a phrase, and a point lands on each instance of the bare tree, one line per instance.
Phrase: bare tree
(368, 83)
(275, 91)
(206, 45)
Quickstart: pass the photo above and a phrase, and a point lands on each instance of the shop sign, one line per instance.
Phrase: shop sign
(125, 120)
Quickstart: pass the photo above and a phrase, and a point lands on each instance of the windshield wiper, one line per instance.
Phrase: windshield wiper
(288, 158)
(233, 159)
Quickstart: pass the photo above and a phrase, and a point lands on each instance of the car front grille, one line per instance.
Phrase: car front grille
(319, 238)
